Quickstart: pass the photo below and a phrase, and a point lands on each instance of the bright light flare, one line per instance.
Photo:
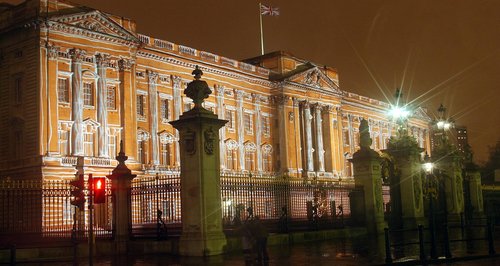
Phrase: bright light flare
(428, 166)
(397, 112)
(443, 125)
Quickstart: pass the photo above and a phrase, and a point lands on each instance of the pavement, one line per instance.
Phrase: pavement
(317, 253)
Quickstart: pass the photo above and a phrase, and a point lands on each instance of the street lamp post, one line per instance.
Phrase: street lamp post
(443, 124)
(431, 193)
(399, 113)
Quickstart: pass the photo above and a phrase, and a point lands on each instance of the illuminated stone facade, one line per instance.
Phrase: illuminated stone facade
(78, 81)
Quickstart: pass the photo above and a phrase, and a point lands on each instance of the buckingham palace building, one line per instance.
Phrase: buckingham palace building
(75, 82)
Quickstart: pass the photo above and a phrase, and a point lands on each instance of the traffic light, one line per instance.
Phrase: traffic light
(77, 192)
(99, 190)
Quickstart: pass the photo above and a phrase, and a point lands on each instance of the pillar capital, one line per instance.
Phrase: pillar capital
(281, 99)
(102, 60)
(77, 55)
(52, 51)
(125, 64)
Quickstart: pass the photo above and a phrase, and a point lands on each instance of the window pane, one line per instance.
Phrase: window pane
(88, 94)
(111, 98)
(63, 90)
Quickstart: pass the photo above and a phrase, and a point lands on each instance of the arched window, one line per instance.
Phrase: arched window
(142, 138)
(267, 159)
(166, 140)
(89, 130)
(250, 149)
(231, 154)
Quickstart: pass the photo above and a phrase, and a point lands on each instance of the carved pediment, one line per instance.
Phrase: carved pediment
(92, 22)
(421, 113)
(314, 77)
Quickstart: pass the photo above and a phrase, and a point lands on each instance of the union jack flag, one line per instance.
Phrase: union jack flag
(269, 10)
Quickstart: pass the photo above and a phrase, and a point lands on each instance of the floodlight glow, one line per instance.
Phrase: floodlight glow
(440, 124)
(447, 126)
(399, 112)
(428, 167)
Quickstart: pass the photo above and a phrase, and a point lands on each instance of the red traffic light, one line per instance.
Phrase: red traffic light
(99, 190)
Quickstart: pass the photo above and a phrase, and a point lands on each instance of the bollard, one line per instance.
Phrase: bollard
(421, 243)
(447, 252)
(491, 241)
(13, 255)
(388, 257)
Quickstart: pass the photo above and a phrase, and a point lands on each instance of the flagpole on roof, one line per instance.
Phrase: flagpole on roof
(261, 31)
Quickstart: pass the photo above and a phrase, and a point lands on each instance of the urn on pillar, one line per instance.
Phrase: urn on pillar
(198, 128)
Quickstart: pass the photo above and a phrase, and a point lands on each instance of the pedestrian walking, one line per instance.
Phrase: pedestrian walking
(260, 232)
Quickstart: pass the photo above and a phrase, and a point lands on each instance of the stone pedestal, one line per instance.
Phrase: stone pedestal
(451, 173)
(407, 179)
(410, 183)
(476, 193)
(121, 180)
(200, 175)
(367, 173)
(200, 180)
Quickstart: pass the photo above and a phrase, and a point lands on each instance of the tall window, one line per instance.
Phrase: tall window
(63, 142)
(266, 126)
(140, 105)
(267, 163)
(88, 143)
(141, 151)
(164, 110)
(345, 137)
(165, 154)
(111, 98)
(88, 94)
(230, 116)
(63, 90)
(112, 146)
(249, 160)
(231, 159)
(18, 90)
(248, 121)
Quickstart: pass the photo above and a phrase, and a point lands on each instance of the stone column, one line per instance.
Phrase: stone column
(297, 136)
(102, 61)
(320, 156)
(406, 156)
(202, 233)
(282, 101)
(153, 110)
(77, 57)
(121, 182)
(222, 132)
(330, 138)
(52, 113)
(128, 99)
(241, 128)
(451, 173)
(258, 130)
(368, 175)
(177, 83)
(476, 192)
(308, 138)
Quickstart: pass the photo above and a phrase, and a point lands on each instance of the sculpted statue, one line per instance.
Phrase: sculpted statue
(364, 135)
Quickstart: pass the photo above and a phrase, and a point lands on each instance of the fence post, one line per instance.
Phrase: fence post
(421, 243)
(447, 251)
(491, 241)
(388, 256)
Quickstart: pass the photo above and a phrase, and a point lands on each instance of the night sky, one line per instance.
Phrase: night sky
(437, 51)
